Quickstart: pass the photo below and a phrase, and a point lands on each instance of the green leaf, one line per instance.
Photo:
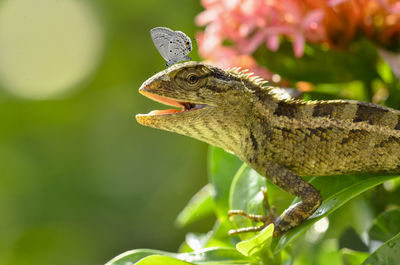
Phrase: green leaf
(219, 236)
(217, 256)
(207, 256)
(197, 241)
(385, 226)
(336, 191)
(200, 206)
(161, 260)
(384, 71)
(133, 256)
(246, 195)
(184, 247)
(222, 167)
(352, 257)
(257, 244)
(387, 254)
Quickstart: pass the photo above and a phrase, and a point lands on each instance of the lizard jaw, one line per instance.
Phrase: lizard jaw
(184, 106)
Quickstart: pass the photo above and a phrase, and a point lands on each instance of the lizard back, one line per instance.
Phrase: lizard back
(331, 137)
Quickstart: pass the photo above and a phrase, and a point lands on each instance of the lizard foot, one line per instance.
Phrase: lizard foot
(266, 220)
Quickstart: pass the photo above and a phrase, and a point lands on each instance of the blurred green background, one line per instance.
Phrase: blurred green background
(80, 180)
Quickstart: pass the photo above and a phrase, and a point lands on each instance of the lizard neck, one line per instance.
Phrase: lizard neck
(221, 126)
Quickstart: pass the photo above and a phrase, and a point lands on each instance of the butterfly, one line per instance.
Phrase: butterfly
(172, 45)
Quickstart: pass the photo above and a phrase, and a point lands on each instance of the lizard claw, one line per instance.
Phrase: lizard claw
(246, 229)
(266, 220)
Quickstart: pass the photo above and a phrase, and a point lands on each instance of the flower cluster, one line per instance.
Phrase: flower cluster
(234, 29)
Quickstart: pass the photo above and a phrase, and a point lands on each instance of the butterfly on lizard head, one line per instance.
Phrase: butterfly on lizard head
(172, 45)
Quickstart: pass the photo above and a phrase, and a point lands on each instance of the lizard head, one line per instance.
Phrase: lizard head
(206, 98)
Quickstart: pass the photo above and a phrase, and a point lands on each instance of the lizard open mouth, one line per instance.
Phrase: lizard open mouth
(183, 106)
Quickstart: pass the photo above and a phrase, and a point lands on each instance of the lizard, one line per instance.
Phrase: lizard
(283, 139)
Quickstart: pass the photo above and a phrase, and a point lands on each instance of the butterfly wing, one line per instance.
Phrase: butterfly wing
(162, 37)
(179, 47)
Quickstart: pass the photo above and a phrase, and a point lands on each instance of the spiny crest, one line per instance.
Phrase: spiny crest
(289, 95)
(279, 94)
(241, 73)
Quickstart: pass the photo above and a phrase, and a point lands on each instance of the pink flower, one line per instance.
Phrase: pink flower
(250, 23)
(335, 2)
(235, 29)
(395, 8)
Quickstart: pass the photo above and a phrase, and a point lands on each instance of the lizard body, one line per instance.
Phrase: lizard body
(282, 139)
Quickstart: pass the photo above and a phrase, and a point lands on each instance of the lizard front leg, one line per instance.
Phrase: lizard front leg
(294, 184)
(291, 217)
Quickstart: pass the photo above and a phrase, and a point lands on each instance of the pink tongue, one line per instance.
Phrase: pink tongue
(163, 112)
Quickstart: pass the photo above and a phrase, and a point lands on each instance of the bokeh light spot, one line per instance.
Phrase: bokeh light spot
(46, 46)
(322, 225)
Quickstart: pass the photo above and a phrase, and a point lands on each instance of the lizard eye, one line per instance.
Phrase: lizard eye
(192, 79)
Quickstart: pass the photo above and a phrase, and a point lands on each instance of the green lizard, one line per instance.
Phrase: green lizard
(282, 139)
